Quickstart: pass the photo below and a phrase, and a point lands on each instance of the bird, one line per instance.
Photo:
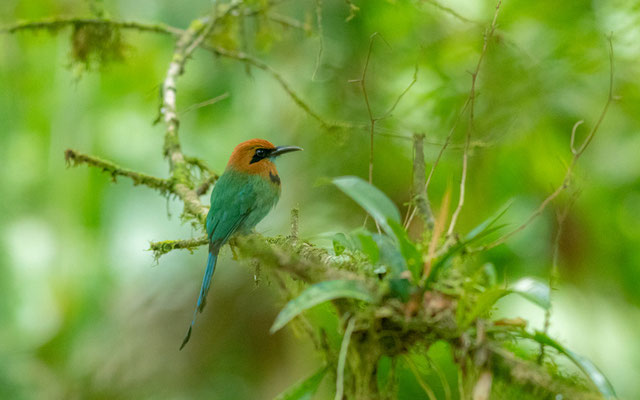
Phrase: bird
(244, 194)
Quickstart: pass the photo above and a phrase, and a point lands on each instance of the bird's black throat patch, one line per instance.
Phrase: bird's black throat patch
(274, 178)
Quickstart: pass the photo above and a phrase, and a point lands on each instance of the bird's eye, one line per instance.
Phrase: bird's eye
(261, 153)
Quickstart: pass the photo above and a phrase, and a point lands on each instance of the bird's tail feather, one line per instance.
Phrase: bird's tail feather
(202, 297)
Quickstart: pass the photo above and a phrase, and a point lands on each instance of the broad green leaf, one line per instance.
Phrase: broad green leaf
(368, 246)
(376, 203)
(304, 389)
(595, 375)
(319, 293)
(410, 253)
(533, 290)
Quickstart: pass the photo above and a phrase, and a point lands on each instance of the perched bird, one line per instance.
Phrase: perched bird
(245, 193)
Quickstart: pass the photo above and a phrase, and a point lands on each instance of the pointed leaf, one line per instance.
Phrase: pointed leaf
(409, 251)
(488, 223)
(484, 303)
(340, 243)
(595, 375)
(534, 291)
(531, 289)
(319, 293)
(374, 201)
(390, 255)
(368, 246)
(305, 389)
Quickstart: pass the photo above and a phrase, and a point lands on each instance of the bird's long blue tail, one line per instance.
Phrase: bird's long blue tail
(202, 297)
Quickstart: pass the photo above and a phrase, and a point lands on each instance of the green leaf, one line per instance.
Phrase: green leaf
(483, 304)
(408, 249)
(533, 290)
(590, 370)
(400, 288)
(376, 203)
(390, 256)
(487, 223)
(340, 243)
(319, 293)
(456, 248)
(305, 389)
(368, 245)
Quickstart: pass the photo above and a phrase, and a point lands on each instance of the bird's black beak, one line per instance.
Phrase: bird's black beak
(283, 149)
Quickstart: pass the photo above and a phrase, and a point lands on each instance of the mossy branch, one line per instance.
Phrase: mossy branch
(161, 248)
(74, 158)
(56, 23)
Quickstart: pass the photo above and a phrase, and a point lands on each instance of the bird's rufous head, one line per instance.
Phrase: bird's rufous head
(256, 156)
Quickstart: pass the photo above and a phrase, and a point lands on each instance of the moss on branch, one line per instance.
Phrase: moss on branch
(161, 248)
(55, 24)
(74, 158)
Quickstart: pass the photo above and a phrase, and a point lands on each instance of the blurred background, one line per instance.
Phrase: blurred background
(85, 312)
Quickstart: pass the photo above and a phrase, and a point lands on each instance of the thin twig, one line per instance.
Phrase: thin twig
(395, 104)
(472, 97)
(321, 37)
(554, 273)
(451, 12)
(205, 103)
(568, 174)
(246, 58)
(138, 178)
(288, 22)
(439, 156)
(353, 10)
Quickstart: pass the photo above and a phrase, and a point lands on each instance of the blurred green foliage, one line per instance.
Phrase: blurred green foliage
(83, 314)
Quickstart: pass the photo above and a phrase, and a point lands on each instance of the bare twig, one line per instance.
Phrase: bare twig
(138, 178)
(395, 104)
(57, 23)
(353, 10)
(451, 12)
(576, 155)
(321, 38)
(372, 119)
(289, 22)
(365, 95)
(246, 58)
(472, 97)
(205, 103)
